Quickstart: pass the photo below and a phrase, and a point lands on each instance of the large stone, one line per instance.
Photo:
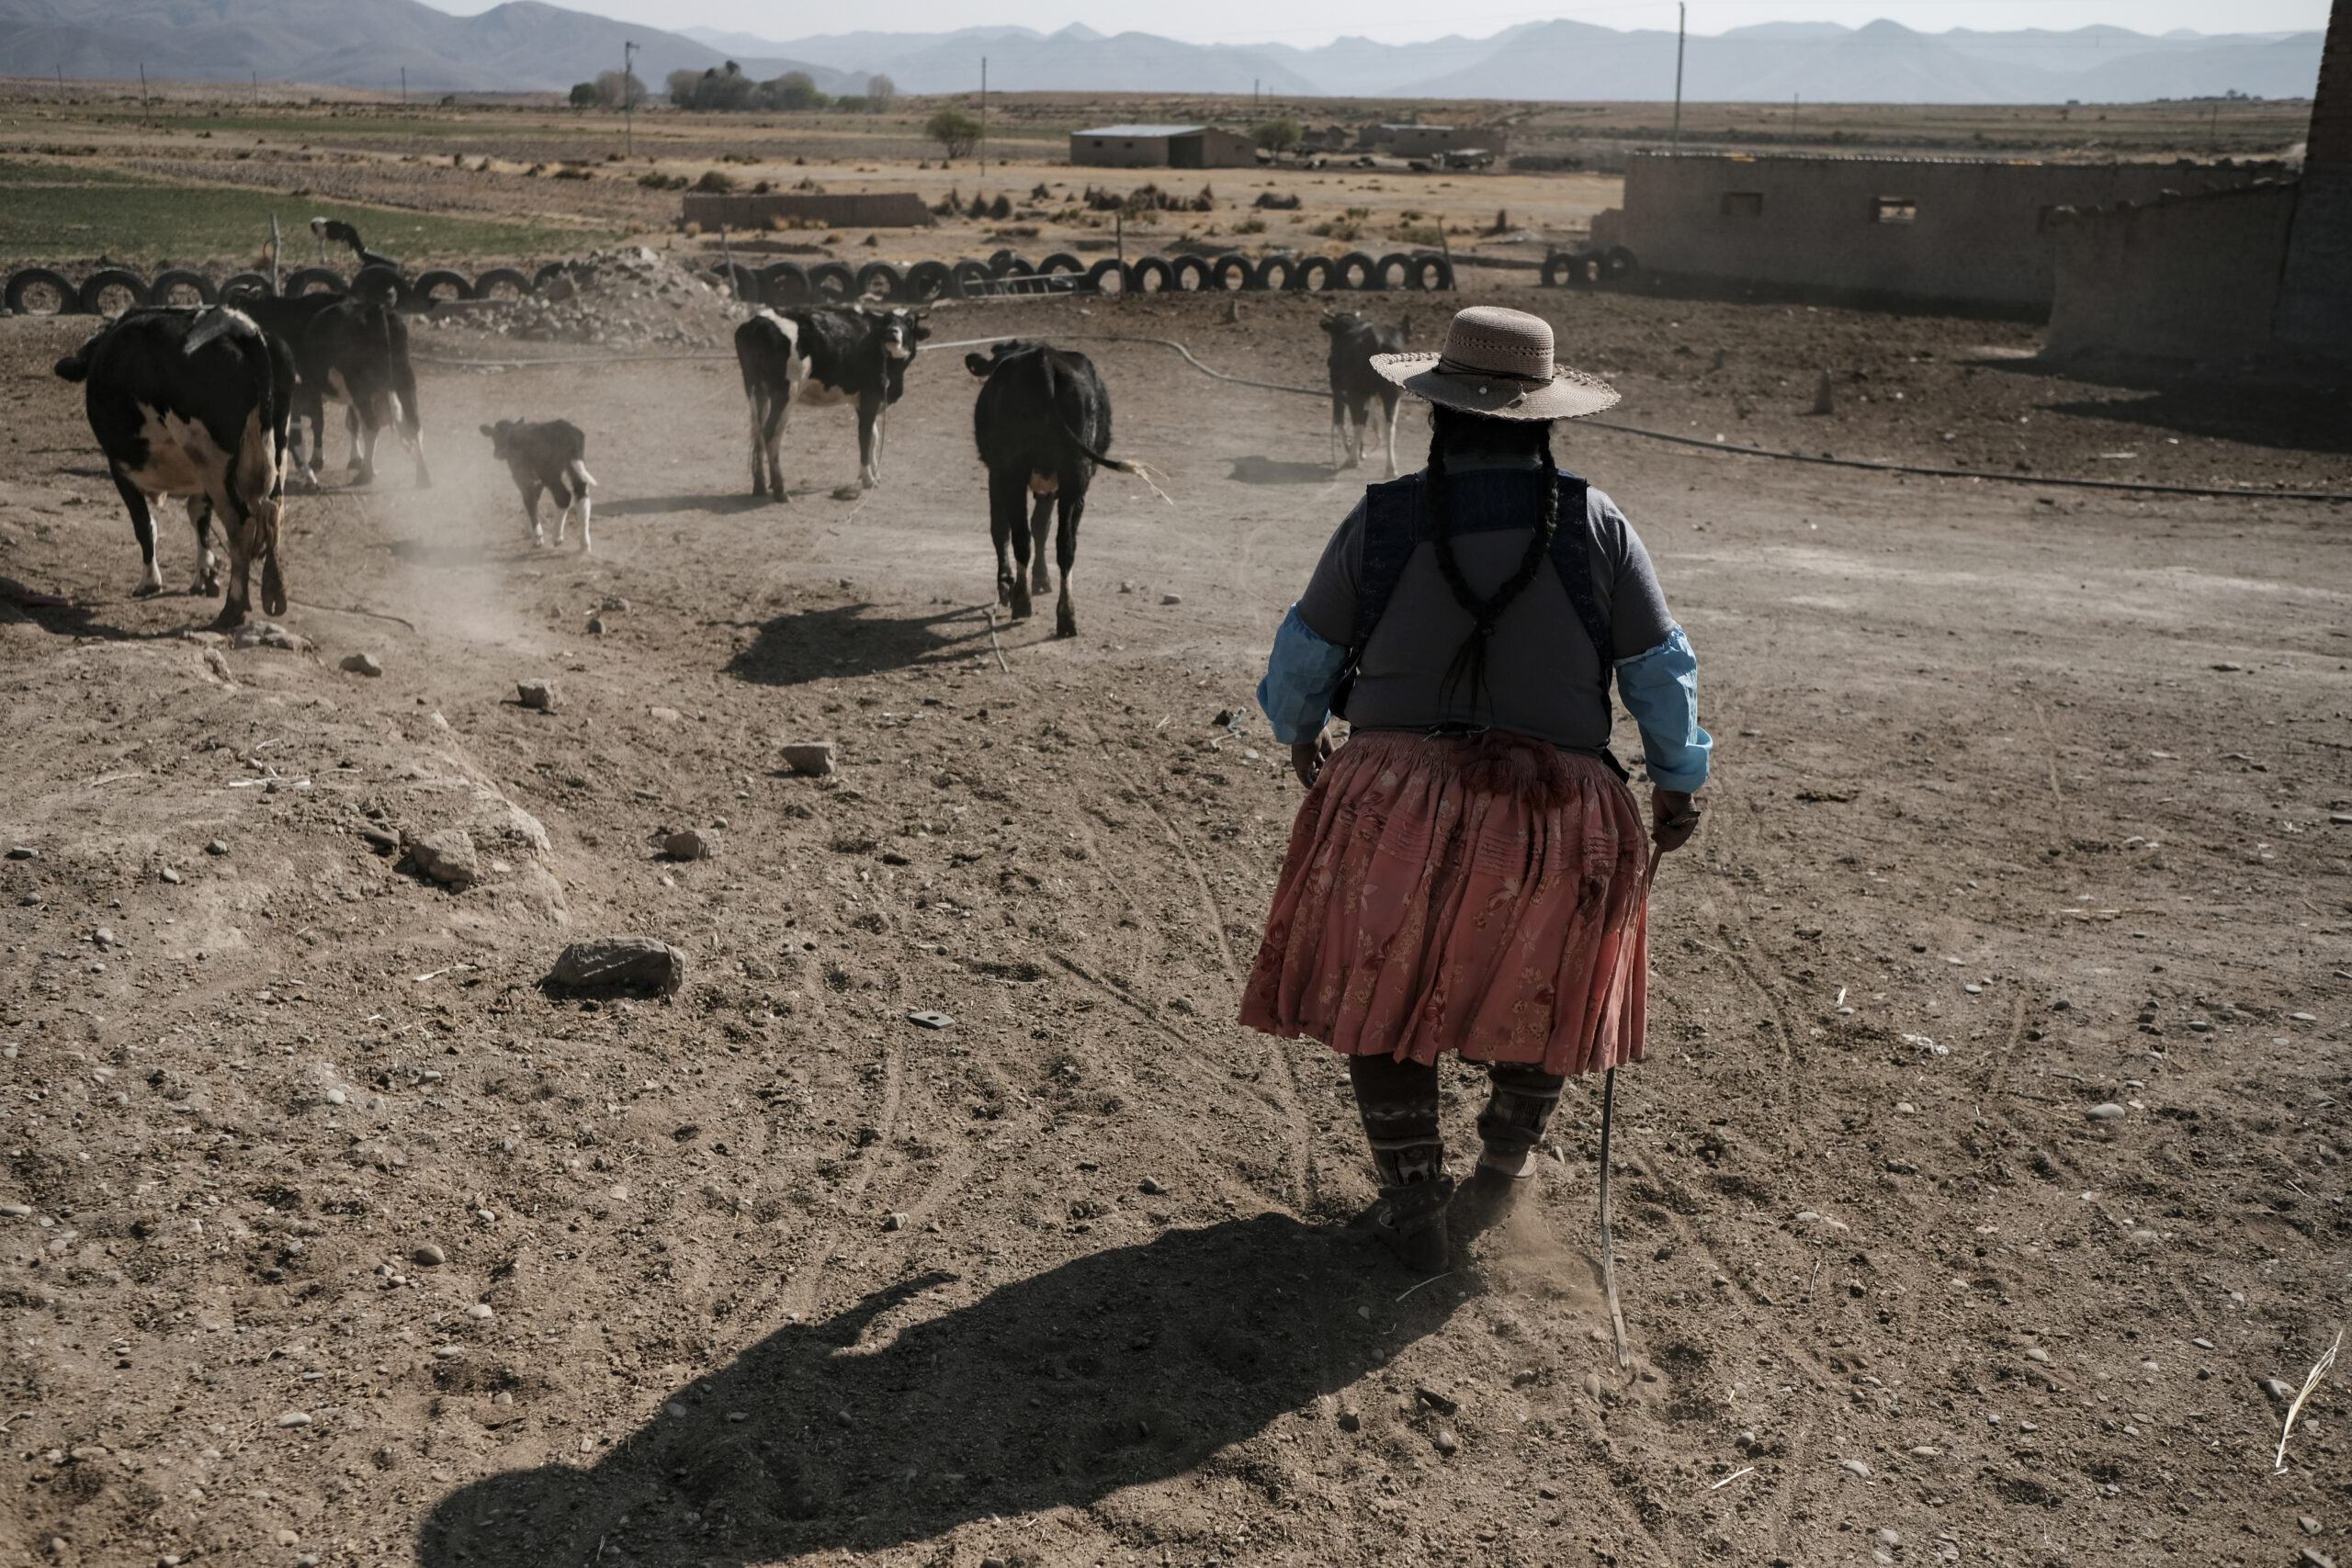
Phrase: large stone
(620, 961)
(810, 757)
(448, 857)
(687, 844)
(537, 694)
(362, 664)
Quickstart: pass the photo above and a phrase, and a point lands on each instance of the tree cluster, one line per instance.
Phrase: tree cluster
(725, 88)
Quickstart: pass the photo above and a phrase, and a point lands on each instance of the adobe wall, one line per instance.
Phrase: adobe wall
(2194, 280)
(2315, 304)
(881, 209)
(1980, 232)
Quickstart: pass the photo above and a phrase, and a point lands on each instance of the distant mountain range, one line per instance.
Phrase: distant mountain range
(528, 45)
(1825, 62)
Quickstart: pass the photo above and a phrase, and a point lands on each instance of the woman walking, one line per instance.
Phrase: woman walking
(1466, 874)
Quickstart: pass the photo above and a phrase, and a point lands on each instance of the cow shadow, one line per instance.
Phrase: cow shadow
(816, 643)
(1272, 471)
(875, 1430)
(717, 505)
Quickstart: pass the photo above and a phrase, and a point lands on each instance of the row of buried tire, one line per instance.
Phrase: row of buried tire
(111, 291)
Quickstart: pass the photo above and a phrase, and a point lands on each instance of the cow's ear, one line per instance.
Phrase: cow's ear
(978, 365)
(491, 434)
(922, 331)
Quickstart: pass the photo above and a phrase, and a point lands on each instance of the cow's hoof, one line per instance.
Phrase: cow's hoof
(1066, 624)
(231, 617)
(147, 591)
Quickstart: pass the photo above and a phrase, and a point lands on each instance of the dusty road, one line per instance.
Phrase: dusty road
(335, 1238)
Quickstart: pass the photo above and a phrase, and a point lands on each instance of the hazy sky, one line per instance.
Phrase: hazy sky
(1401, 21)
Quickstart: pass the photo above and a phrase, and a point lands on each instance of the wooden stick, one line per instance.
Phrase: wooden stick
(996, 645)
(1608, 1242)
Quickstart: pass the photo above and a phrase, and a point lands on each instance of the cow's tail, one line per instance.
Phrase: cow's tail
(257, 474)
(1144, 471)
(581, 477)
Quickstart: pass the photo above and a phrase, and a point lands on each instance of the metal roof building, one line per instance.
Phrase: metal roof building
(1161, 147)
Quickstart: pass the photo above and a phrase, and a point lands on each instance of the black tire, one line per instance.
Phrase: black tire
(548, 274)
(1562, 270)
(1433, 274)
(1275, 272)
(1229, 272)
(384, 285)
(1010, 263)
(971, 277)
(1355, 270)
(929, 280)
(1402, 265)
(439, 283)
(37, 286)
(113, 286)
(1102, 275)
(170, 281)
(1316, 275)
(1151, 275)
(1060, 261)
(308, 279)
(883, 277)
(500, 281)
(1617, 265)
(831, 283)
(253, 285)
(1190, 273)
(784, 283)
(745, 281)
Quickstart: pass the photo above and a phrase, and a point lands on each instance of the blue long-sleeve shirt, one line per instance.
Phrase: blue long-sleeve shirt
(1658, 686)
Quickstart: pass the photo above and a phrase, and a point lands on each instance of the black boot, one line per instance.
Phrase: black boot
(1411, 1220)
(1519, 1107)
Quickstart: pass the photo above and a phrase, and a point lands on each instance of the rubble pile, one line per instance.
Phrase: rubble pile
(630, 297)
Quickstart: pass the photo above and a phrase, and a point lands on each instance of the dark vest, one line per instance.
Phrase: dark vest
(1396, 520)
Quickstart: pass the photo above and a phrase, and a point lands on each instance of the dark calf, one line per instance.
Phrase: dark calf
(549, 458)
(1042, 422)
(1355, 384)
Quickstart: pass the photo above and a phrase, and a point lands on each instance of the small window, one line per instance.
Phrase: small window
(1895, 209)
(1743, 204)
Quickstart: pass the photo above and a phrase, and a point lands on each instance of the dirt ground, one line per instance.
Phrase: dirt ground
(332, 1237)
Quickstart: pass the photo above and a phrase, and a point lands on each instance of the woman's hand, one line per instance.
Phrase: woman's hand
(1307, 756)
(1672, 818)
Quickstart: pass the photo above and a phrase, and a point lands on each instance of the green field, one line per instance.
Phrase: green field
(53, 211)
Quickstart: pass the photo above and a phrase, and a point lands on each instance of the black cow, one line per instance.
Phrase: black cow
(1354, 383)
(344, 234)
(551, 457)
(195, 403)
(1042, 422)
(823, 354)
(355, 350)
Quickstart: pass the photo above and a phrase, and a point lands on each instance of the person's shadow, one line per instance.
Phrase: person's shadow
(1121, 1367)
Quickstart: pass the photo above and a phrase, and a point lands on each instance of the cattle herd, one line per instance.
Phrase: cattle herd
(207, 405)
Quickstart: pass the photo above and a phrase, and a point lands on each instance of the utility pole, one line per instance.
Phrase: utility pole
(403, 87)
(1795, 99)
(628, 104)
(984, 120)
(142, 91)
(1681, 19)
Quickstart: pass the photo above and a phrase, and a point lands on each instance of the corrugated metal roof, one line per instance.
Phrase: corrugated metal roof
(1133, 130)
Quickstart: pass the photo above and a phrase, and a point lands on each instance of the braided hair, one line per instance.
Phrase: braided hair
(1460, 431)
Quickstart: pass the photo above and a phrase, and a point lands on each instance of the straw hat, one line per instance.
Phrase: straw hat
(1499, 363)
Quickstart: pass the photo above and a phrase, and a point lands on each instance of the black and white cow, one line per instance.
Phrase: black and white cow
(356, 351)
(194, 404)
(1043, 422)
(551, 456)
(817, 355)
(344, 234)
(1354, 383)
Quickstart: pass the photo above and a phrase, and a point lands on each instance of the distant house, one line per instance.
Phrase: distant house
(1161, 147)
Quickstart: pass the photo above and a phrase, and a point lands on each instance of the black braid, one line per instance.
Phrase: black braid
(1469, 662)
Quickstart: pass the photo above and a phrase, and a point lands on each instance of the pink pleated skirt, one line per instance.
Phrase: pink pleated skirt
(1480, 893)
